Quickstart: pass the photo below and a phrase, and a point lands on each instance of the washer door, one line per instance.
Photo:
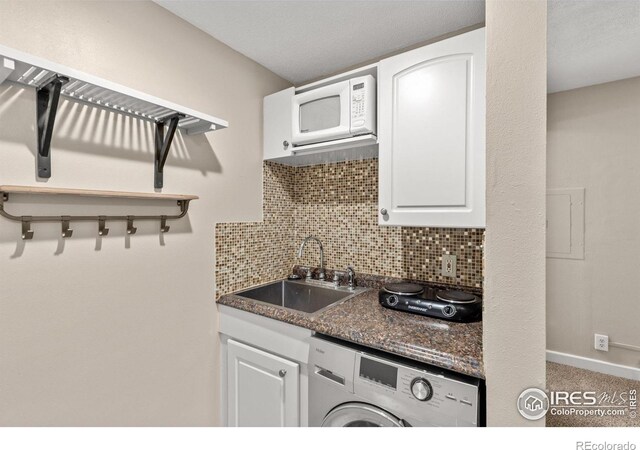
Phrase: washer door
(360, 415)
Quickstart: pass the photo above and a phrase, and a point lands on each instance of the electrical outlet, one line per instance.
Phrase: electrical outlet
(449, 265)
(602, 342)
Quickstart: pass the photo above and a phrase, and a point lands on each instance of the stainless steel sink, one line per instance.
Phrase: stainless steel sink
(308, 297)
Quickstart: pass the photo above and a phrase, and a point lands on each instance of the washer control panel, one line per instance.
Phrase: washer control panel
(421, 394)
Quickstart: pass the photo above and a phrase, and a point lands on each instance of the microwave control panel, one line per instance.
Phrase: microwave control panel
(362, 105)
(357, 101)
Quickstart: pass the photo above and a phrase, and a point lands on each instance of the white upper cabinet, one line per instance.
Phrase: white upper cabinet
(277, 110)
(431, 137)
(263, 389)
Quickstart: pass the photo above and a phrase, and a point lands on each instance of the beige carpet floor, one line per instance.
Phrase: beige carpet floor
(566, 378)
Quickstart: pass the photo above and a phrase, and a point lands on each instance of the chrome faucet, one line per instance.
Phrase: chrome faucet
(300, 250)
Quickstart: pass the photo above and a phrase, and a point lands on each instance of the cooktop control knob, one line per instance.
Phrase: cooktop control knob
(421, 389)
(449, 311)
(392, 300)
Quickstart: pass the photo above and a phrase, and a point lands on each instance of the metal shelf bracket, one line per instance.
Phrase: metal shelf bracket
(163, 145)
(48, 95)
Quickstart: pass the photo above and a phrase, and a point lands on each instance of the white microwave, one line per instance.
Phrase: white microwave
(336, 111)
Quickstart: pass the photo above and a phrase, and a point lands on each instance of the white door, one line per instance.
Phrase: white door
(432, 134)
(277, 121)
(263, 388)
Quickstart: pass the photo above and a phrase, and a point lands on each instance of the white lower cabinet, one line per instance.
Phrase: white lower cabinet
(264, 378)
(263, 389)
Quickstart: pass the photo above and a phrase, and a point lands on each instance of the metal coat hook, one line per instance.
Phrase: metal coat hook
(130, 228)
(27, 232)
(164, 228)
(66, 231)
(102, 229)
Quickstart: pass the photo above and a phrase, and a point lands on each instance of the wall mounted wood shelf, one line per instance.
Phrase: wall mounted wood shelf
(27, 233)
(53, 80)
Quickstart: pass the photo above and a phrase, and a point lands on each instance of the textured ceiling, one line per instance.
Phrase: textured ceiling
(301, 40)
(590, 41)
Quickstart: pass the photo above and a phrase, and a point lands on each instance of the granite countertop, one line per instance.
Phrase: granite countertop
(362, 320)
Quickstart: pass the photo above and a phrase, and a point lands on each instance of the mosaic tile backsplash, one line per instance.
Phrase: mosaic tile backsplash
(250, 253)
(338, 203)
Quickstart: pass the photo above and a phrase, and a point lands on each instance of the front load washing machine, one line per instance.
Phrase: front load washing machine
(352, 386)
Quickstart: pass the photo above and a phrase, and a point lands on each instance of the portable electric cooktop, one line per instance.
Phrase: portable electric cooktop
(447, 304)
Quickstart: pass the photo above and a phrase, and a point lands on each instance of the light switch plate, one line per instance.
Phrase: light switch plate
(449, 266)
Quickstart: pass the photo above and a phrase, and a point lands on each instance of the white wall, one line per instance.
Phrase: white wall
(120, 331)
(514, 315)
(594, 142)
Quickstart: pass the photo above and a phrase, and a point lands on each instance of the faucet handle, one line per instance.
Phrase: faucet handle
(351, 276)
(336, 277)
(308, 272)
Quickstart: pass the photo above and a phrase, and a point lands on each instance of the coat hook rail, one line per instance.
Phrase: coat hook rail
(65, 221)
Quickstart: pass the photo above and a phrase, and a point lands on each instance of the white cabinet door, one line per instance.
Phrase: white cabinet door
(277, 109)
(263, 388)
(431, 138)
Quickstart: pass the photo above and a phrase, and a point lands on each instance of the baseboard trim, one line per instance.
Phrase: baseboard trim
(594, 365)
